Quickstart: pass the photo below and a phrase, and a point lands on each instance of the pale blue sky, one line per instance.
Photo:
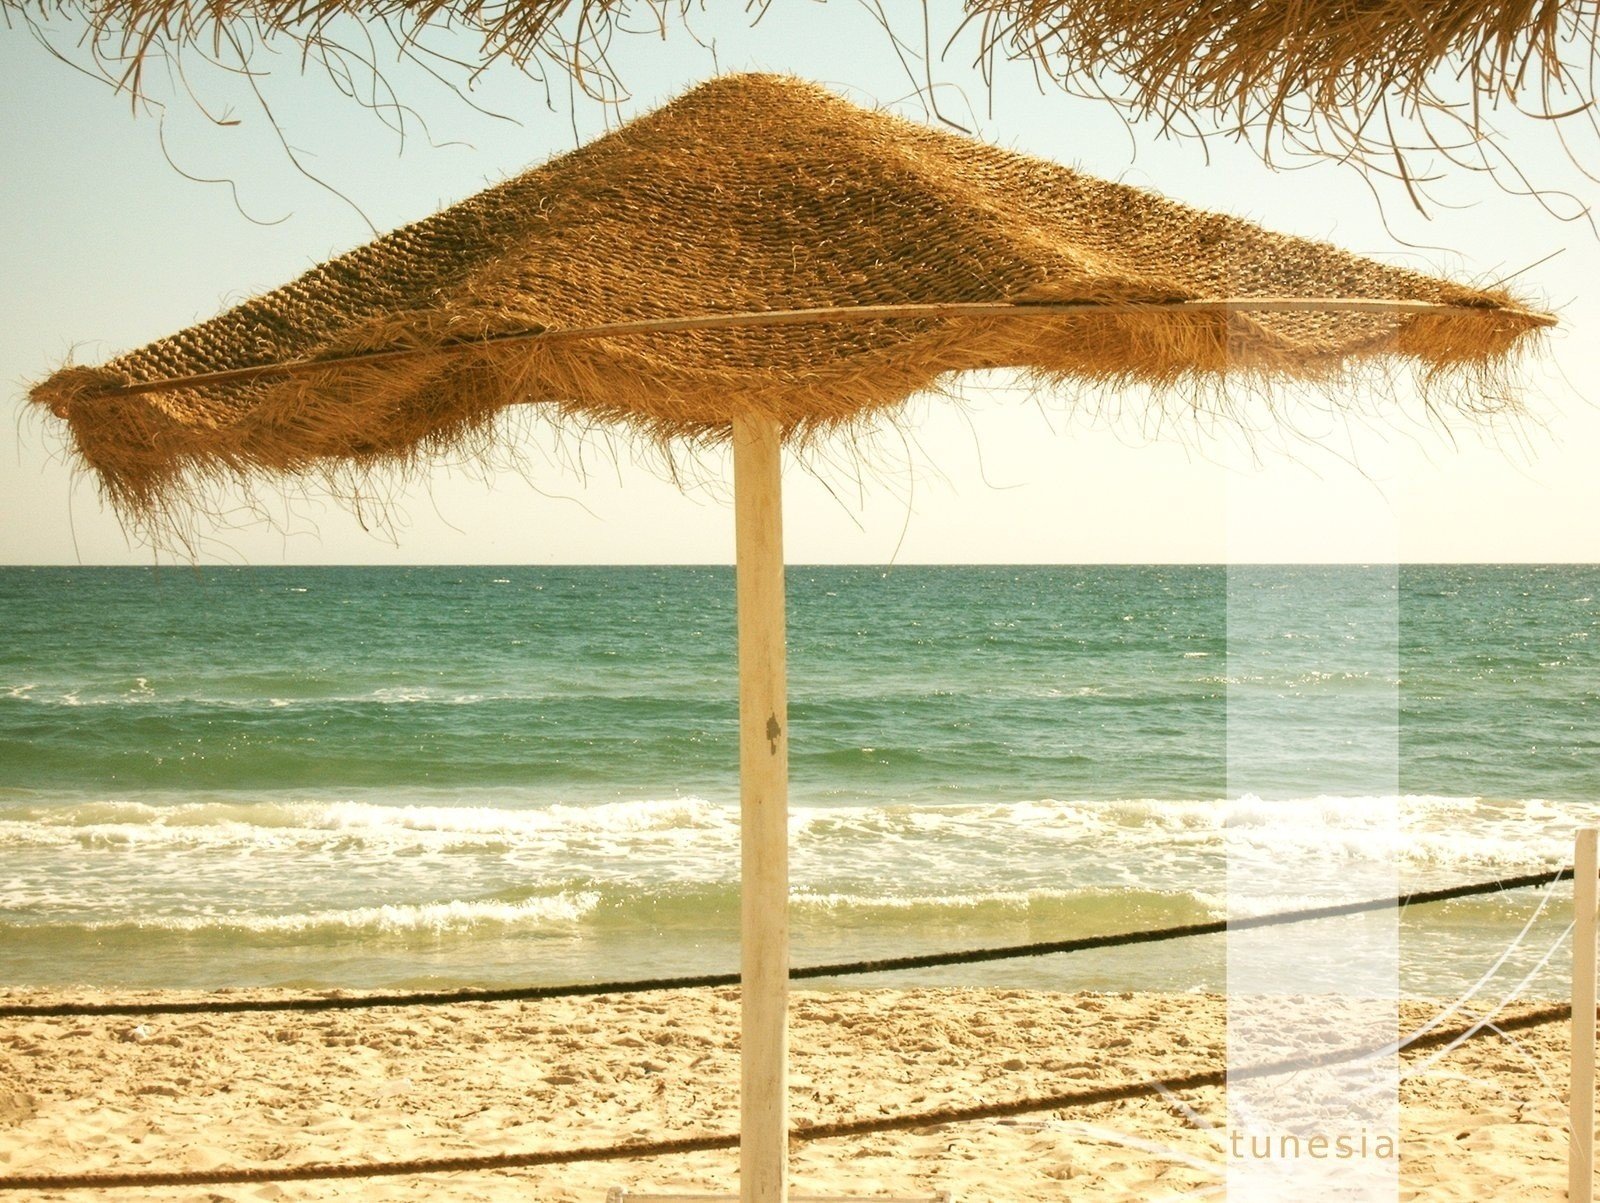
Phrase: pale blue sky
(107, 246)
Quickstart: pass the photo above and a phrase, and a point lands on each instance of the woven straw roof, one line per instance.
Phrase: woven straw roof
(752, 196)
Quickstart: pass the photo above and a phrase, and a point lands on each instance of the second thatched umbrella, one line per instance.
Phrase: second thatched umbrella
(759, 261)
(1347, 80)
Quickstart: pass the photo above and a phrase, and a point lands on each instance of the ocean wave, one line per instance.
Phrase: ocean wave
(212, 696)
(453, 917)
(965, 846)
(225, 823)
(1099, 906)
(435, 918)
(605, 911)
(513, 814)
(614, 907)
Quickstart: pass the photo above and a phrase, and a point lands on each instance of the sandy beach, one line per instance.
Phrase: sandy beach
(260, 1089)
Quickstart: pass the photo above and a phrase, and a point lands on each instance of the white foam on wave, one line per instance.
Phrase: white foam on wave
(301, 823)
(1421, 834)
(1019, 901)
(646, 815)
(232, 697)
(1150, 843)
(402, 693)
(438, 918)
(1008, 900)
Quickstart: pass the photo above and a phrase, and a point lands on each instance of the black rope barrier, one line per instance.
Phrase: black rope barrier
(970, 956)
(799, 1134)
(1156, 935)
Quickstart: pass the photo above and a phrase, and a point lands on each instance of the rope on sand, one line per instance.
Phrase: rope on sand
(970, 956)
(799, 1134)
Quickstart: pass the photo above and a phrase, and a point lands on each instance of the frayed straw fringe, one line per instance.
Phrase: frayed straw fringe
(1258, 61)
(155, 468)
(750, 194)
(1179, 55)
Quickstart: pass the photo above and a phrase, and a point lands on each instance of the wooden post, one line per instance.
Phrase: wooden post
(764, 818)
(1580, 1149)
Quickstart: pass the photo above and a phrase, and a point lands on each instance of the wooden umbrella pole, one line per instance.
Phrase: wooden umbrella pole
(764, 805)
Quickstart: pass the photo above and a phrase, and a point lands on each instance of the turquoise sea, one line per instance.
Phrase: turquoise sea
(447, 776)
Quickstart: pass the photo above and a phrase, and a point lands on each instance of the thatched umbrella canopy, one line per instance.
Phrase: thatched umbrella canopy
(1382, 83)
(758, 246)
(763, 260)
(1329, 53)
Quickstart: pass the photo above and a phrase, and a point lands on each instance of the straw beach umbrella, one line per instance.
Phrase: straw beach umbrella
(758, 262)
(1400, 87)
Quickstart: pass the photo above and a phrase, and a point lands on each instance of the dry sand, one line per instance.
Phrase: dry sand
(198, 1092)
